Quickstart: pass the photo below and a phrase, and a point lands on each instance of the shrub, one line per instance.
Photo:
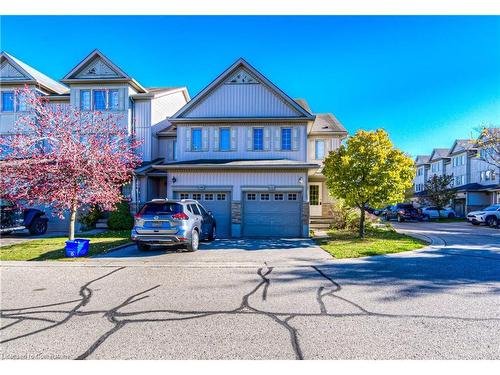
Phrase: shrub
(89, 217)
(345, 217)
(120, 218)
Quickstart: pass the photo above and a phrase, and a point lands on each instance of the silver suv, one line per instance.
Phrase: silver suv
(167, 222)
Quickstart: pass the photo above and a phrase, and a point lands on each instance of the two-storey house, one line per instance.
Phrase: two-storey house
(96, 83)
(474, 179)
(252, 155)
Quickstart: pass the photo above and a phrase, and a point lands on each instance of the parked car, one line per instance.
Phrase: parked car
(489, 215)
(402, 212)
(381, 211)
(167, 222)
(433, 213)
(13, 218)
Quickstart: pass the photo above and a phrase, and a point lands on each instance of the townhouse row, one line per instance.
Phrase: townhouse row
(245, 149)
(475, 180)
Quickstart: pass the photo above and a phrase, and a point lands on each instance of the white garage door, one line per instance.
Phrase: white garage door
(272, 214)
(219, 203)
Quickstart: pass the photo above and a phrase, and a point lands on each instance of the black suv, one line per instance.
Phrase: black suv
(13, 218)
(402, 212)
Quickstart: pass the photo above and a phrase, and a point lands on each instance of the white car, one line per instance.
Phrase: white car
(489, 216)
(434, 213)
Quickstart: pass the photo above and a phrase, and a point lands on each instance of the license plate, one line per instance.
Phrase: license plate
(156, 223)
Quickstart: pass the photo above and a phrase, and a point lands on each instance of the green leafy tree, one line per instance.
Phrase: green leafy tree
(438, 191)
(368, 171)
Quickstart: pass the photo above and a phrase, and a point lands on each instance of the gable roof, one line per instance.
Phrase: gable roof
(327, 123)
(439, 153)
(232, 75)
(422, 159)
(120, 75)
(27, 74)
(461, 145)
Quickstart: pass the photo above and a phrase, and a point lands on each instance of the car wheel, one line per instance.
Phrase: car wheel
(6, 233)
(142, 246)
(38, 227)
(451, 215)
(195, 241)
(400, 219)
(427, 217)
(386, 217)
(211, 236)
(475, 223)
(491, 221)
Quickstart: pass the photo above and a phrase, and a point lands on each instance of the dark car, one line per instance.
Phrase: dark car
(402, 212)
(13, 218)
(167, 222)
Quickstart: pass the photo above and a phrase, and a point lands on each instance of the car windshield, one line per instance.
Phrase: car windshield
(492, 208)
(161, 208)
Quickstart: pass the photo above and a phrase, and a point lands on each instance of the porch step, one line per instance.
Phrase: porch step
(319, 226)
(321, 220)
(102, 224)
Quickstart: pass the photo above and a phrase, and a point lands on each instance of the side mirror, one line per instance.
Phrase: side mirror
(210, 213)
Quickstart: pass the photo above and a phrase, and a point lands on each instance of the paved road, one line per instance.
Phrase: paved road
(275, 303)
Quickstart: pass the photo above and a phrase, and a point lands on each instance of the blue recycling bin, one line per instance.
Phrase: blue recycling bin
(79, 247)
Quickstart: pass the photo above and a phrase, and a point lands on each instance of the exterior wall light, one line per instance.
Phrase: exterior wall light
(174, 180)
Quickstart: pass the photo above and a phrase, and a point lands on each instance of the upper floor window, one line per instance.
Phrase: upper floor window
(196, 143)
(319, 149)
(458, 160)
(113, 100)
(99, 97)
(435, 167)
(420, 171)
(225, 139)
(85, 100)
(258, 139)
(286, 139)
(7, 101)
(174, 149)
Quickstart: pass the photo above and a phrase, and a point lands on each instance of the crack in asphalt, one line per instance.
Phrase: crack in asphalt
(121, 319)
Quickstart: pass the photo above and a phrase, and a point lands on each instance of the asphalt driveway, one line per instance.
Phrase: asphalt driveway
(258, 300)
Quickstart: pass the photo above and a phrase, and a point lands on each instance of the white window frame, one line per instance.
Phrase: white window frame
(316, 142)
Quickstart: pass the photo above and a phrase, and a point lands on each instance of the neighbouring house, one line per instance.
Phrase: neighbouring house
(242, 147)
(475, 181)
(96, 83)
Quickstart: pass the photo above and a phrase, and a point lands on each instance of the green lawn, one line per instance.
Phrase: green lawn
(347, 244)
(53, 248)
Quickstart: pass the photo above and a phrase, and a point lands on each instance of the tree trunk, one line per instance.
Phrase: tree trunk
(362, 222)
(72, 220)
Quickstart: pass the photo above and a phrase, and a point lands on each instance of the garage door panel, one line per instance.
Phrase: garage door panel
(272, 217)
(219, 203)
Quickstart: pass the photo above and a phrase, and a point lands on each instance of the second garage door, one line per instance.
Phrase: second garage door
(219, 203)
(272, 214)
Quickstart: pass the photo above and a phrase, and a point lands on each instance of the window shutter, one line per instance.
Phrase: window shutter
(204, 138)
(267, 139)
(121, 99)
(216, 139)
(187, 132)
(76, 102)
(277, 138)
(295, 138)
(249, 139)
(234, 138)
(311, 145)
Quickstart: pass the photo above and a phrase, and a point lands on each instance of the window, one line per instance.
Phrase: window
(8, 101)
(319, 149)
(202, 210)
(184, 195)
(99, 100)
(292, 196)
(196, 139)
(174, 149)
(258, 139)
(197, 196)
(21, 103)
(435, 167)
(278, 197)
(209, 197)
(286, 139)
(264, 197)
(154, 208)
(459, 180)
(194, 209)
(224, 139)
(419, 171)
(85, 100)
(251, 196)
(113, 99)
(221, 197)
(487, 175)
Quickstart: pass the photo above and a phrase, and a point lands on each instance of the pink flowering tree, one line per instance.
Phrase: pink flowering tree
(66, 158)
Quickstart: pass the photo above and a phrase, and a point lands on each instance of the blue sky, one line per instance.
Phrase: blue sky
(426, 80)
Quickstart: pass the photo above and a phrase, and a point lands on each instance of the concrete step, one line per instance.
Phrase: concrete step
(319, 226)
(321, 220)
(102, 224)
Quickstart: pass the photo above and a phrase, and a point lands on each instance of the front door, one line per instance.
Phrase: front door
(315, 198)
